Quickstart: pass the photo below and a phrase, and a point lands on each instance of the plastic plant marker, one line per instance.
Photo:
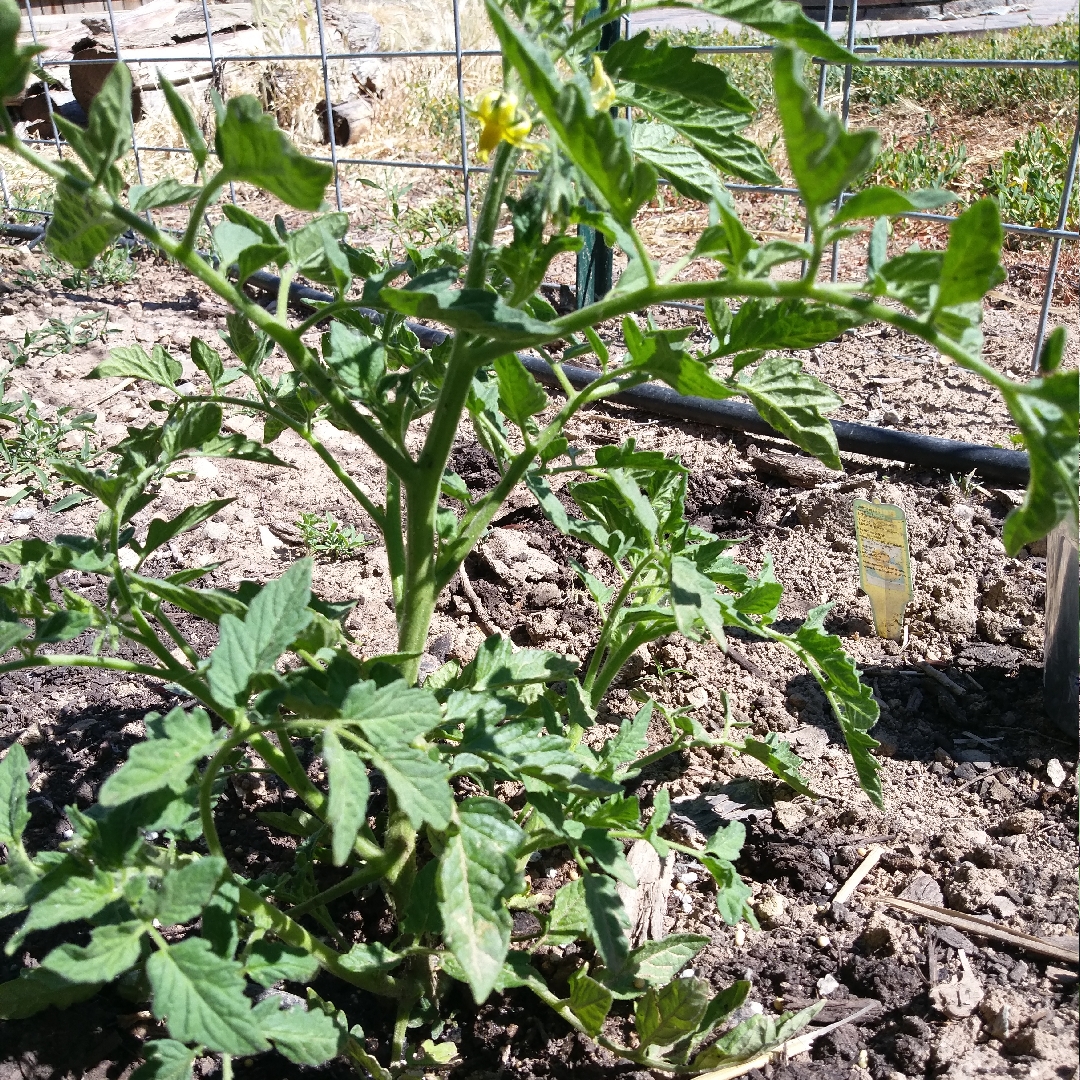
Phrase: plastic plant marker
(884, 564)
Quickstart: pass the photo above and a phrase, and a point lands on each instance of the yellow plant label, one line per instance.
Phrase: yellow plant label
(884, 564)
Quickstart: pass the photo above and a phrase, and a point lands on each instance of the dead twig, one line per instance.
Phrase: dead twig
(972, 925)
(743, 661)
(982, 776)
(847, 890)
(477, 605)
(941, 678)
(800, 1044)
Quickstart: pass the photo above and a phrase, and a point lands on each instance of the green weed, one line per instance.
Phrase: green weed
(59, 337)
(927, 164)
(327, 538)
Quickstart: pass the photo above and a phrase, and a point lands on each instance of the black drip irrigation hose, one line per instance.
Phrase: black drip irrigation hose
(949, 455)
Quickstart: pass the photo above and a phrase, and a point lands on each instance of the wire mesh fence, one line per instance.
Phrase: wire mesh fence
(300, 50)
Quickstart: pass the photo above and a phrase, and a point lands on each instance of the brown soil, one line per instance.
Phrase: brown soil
(969, 802)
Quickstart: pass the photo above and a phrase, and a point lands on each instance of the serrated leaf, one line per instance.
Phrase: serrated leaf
(852, 701)
(732, 893)
(186, 891)
(162, 762)
(112, 950)
(754, 1036)
(684, 167)
(64, 896)
(656, 963)
(477, 871)
(665, 1016)
(824, 157)
(14, 787)
(794, 402)
(726, 843)
(254, 149)
(304, 1036)
(875, 202)
(166, 1059)
(520, 395)
(631, 740)
(783, 21)
(419, 781)
(589, 1001)
(167, 192)
(207, 360)
(132, 362)
(200, 996)
(16, 61)
(784, 324)
(1045, 410)
(569, 918)
(608, 853)
(498, 665)
(269, 962)
(609, 924)
(274, 618)
(36, 989)
(78, 232)
(694, 597)
(655, 354)
(346, 808)
(776, 755)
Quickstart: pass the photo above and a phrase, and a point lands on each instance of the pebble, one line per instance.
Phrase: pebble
(824, 941)
(1055, 771)
(688, 973)
(185, 388)
(23, 514)
(740, 936)
(1002, 907)
(216, 530)
(827, 985)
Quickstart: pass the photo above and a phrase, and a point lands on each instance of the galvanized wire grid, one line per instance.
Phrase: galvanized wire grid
(465, 167)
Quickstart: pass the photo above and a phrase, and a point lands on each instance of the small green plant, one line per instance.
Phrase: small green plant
(58, 337)
(327, 538)
(1027, 182)
(406, 813)
(926, 164)
(31, 445)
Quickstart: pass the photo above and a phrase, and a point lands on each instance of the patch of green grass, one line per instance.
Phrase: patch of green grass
(113, 267)
(1036, 92)
(1027, 182)
(327, 538)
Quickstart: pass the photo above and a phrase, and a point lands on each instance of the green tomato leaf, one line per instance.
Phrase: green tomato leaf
(252, 646)
(162, 762)
(200, 996)
(166, 1059)
(589, 1001)
(161, 532)
(346, 808)
(520, 395)
(676, 70)
(252, 148)
(972, 263)
(268, 962)
(665, 1016)
(609, 925)
(185, 120)
(132, 362)
(754, 1036)
(1045, 411)
(732, 893)
(112, 950)
(784, 324)
(475, 310)
(14, 787)
(685, 168)
(477, 871)
(656, 355)
(726, 843)
(794, 402)
(656, 963)
(167, 192)
(79, 231)
(693, 598)
(852, 701)
(37, 988)
(497, 665)
(569, 918)
(824, 157)
(370, 959)
(185, 892)
(784, 21)
(776, 754)
(207, 360)
(875, 202)
(304, 1036)
(64, 896)
(16, 62)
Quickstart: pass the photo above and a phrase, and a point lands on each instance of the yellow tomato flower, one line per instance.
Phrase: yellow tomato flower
(603, 89)
(503, 121)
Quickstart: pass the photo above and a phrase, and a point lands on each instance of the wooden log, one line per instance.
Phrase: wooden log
(352, 121)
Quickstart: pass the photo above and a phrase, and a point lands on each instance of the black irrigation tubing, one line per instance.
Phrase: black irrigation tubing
(928, 451)
(991, 462)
